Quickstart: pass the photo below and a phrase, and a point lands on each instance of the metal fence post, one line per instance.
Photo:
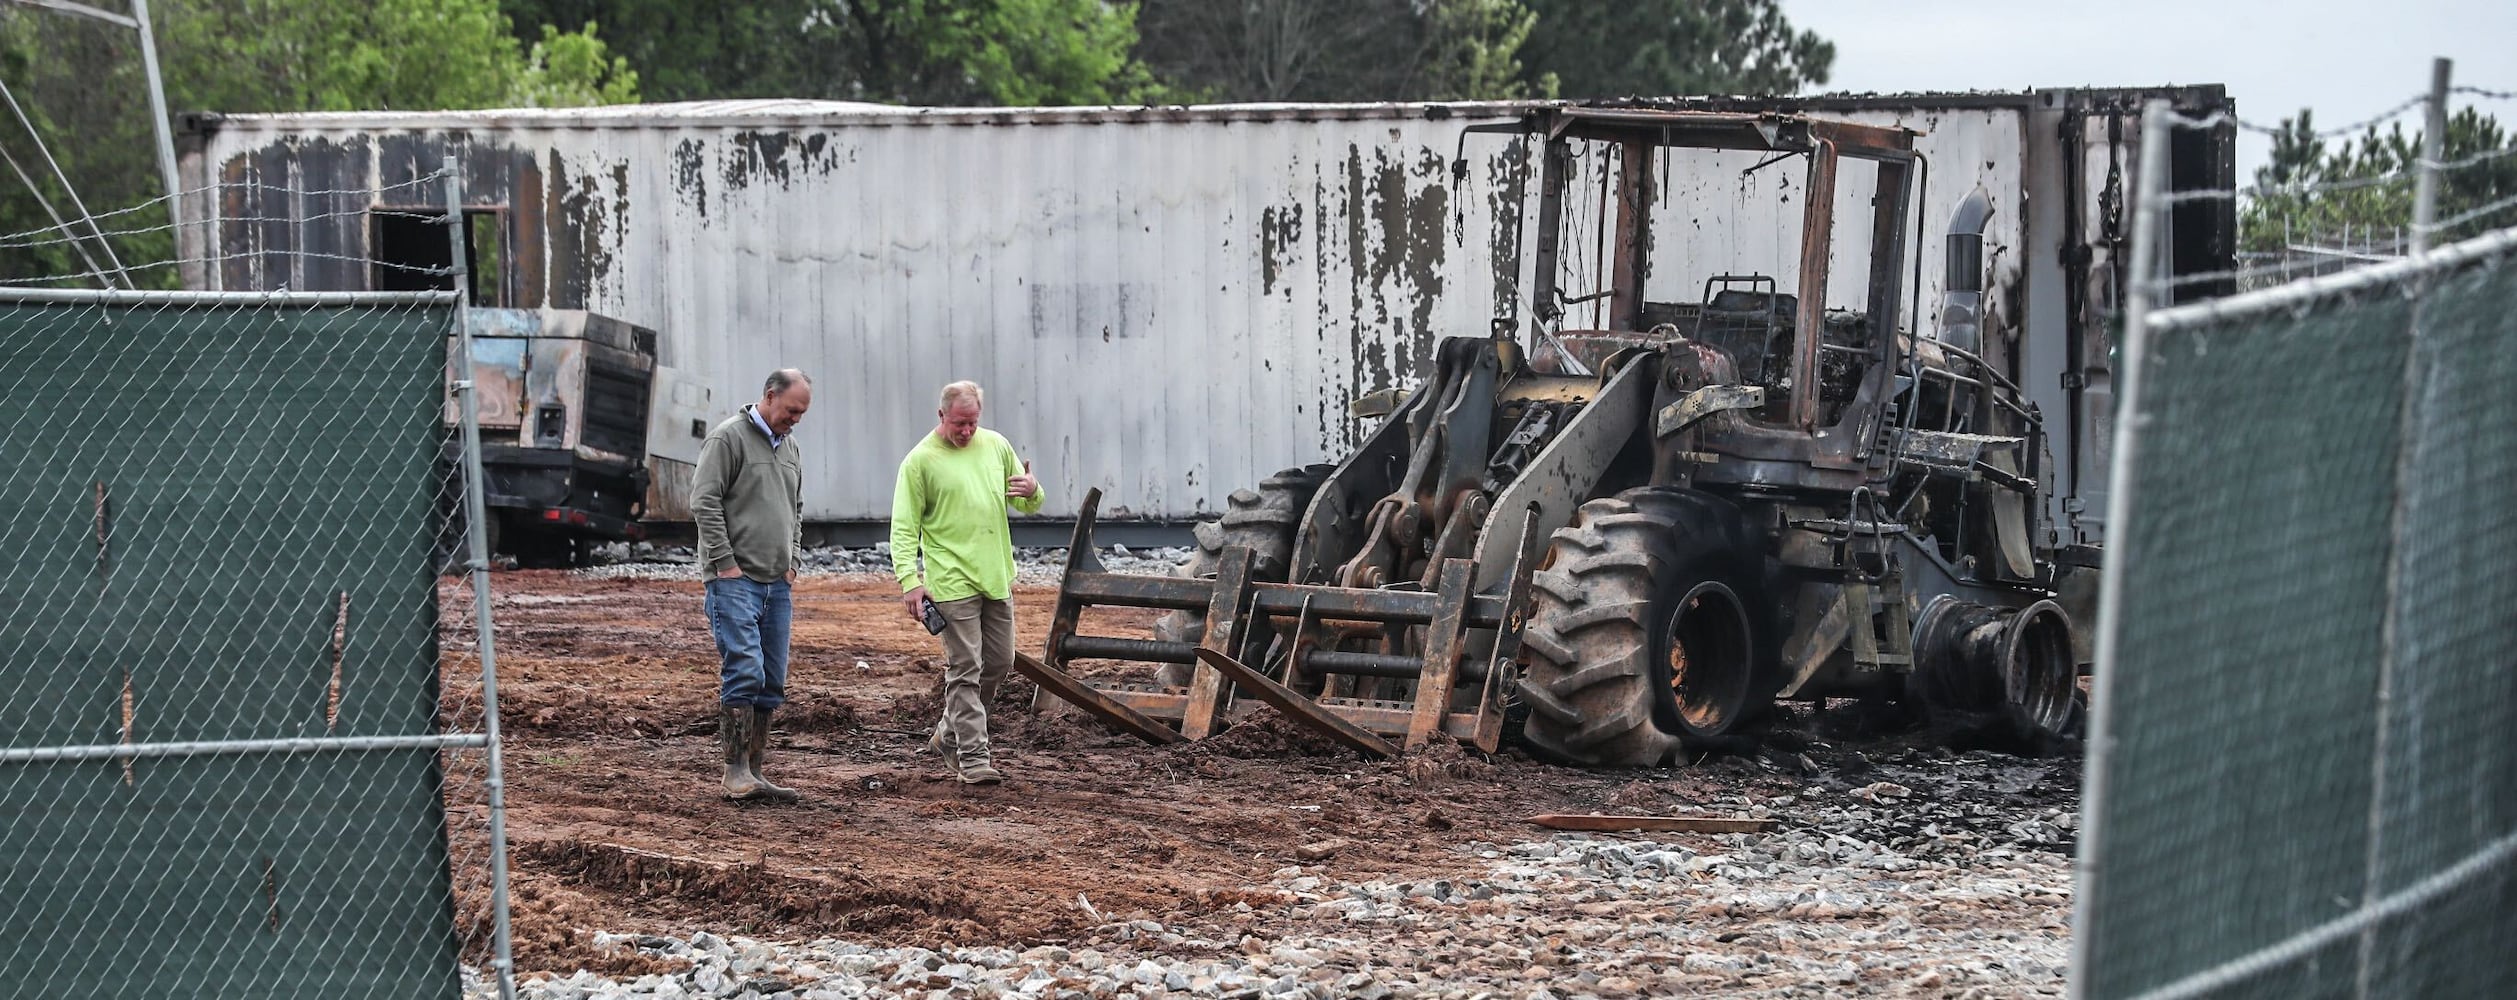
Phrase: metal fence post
(476, 530)
(157, 114)
(2433, 150)
(2141, 289)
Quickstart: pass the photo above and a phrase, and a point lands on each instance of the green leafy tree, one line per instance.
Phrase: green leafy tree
(1003, 52)
(81, 83)
(2306, 194)
(1473, 51)
(1339, 50)
(1665, 48)
(688, 51)
(573, 69)
(925, 52)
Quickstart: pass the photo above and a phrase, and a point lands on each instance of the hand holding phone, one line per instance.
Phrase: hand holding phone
(931, 615)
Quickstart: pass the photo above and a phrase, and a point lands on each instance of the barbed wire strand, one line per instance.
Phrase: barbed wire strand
(226, 220)
(2347, 184)
(2496, 95)
(2287, 190)
(2218, 118)
(2485, 155)
(2468, 216)
(435, 175)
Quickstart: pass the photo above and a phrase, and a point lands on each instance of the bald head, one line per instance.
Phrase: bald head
(784, 397)
(782, 379)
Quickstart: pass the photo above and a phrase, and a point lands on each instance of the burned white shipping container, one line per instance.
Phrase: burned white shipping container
(1164, 303)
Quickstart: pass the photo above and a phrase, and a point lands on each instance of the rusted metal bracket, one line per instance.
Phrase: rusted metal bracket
(340, 647)
(1445, 640)
(1377, 403)
(1203, 715)
(1507, 639)
(1295, 705)
(104, 524)
(1706, 402)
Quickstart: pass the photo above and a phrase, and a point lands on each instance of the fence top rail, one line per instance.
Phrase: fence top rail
(128, 297)
(2298, 294)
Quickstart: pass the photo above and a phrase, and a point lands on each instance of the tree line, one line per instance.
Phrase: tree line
(2311, 196)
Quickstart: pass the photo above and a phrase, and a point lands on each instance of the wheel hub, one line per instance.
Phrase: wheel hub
(1708, 657)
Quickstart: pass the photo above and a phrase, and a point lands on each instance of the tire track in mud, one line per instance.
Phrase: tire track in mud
(812, 901)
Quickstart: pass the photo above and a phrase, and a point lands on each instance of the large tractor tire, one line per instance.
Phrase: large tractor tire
(1264, 519)
(1645, 633)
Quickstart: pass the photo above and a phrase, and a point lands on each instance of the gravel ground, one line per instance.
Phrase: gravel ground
(1942, 875)
(1898, 870)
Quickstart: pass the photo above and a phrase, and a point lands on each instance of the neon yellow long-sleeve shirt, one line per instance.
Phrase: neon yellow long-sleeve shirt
(949, 507)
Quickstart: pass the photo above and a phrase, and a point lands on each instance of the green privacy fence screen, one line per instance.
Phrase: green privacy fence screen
(2304, 778)
(226, 763)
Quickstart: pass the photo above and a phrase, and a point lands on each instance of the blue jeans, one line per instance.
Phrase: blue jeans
(751, 621)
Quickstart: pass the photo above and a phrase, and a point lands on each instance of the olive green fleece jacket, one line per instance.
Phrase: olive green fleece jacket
(748, 501)
(949, 506)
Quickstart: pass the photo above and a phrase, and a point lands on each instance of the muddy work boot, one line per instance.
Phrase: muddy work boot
(759, 748)
(981, 773)
(734, 736)
(952, 757)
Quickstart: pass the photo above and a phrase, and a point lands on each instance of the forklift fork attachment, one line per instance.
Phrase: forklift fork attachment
(1296, 706)
(1244, 617)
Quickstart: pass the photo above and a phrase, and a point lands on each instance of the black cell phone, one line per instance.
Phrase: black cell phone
(933, 615)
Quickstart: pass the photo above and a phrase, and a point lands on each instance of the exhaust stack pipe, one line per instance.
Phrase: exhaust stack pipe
(1962, 281)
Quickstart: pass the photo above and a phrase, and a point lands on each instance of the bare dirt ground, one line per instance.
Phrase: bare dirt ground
(607, 691)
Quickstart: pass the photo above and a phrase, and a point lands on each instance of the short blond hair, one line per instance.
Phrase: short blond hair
(964, 391)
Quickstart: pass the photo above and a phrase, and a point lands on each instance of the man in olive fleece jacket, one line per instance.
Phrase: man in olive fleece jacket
(748, 501)
(948, 509)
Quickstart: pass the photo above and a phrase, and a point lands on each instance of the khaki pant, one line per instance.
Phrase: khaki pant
(978, 652)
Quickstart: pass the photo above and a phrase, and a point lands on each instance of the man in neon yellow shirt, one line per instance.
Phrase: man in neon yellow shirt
(948, 511)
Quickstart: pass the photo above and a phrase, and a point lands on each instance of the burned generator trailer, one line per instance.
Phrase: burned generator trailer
(563, 401)
(1645, 529)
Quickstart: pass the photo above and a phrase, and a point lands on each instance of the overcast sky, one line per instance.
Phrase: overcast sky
(2347, 59)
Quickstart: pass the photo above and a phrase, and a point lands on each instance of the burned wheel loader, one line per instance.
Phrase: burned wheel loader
(1638, 534)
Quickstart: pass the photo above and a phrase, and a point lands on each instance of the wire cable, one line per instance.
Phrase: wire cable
(2218, 118)
(71, 189)
(99, 273)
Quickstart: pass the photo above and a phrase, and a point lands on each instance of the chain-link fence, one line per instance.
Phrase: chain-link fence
(2300, 781)
(233, 759)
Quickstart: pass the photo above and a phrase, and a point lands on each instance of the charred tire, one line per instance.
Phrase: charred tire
(1971, 659)
(1264, 519)
(1645, 632)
